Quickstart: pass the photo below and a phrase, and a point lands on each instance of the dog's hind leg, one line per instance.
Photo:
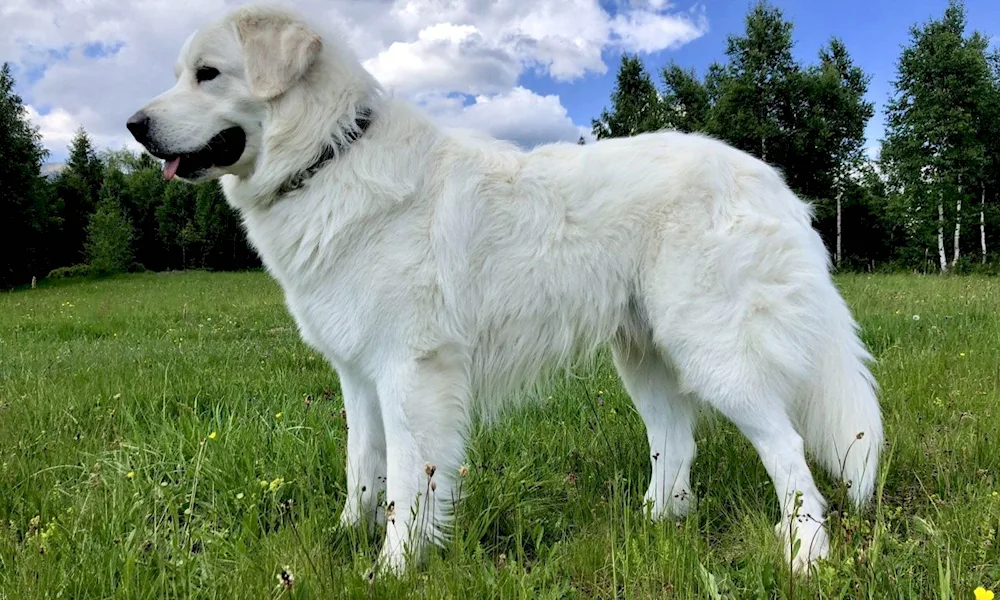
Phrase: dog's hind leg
(669, 417)
(425, 415)
(365, 451)
(752, 389)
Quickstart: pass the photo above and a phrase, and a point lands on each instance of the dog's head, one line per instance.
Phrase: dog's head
(211, 122)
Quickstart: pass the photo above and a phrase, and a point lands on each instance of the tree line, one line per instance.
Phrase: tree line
(104, 212)
(928, 202)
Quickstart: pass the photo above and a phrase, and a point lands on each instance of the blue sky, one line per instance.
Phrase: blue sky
(527, 70)
(874, 31)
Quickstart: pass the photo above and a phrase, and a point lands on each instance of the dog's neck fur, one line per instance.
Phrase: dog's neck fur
(331, 151)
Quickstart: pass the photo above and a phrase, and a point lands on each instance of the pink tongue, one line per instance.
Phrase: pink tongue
(170, 168)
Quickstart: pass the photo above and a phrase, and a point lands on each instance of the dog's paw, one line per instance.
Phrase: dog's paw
(354, 516)
(675, 505)
(391, 562)
(804, 541)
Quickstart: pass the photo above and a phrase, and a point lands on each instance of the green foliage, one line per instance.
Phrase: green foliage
(943, 145)
(25, 217)
(635, 105)
(100, 379)
(175, 216)
(220, 233)
(685, 100)
(83, 270)
(939, 128)
(109, 234)
(754, 95)
(78, 187)
(111, 209)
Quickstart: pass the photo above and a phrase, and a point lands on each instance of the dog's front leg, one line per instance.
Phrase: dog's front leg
(425, 414)
(366, 468)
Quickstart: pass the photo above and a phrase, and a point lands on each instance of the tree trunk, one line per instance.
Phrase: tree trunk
(941, 252)
(840, 235)
(958, 226)
(982, 222)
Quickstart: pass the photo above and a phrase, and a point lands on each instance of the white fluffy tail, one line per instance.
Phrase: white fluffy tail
(841, 420)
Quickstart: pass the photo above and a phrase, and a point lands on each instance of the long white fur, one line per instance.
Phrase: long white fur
(441, 272)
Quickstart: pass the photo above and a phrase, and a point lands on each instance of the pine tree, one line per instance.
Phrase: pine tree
(25, 216)
(83, 162)
(78, 188)
(635, 104)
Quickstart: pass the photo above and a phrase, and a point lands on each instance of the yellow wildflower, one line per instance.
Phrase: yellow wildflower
(277, 415)
(275, 484)
(212, 435)
(983, 594)
(131, 475)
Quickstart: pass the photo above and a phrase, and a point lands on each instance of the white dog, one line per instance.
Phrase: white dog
(442, 272)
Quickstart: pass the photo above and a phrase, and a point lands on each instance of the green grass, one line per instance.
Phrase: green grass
(111, 487)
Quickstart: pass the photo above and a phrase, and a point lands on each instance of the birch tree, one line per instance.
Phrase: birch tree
(753, 94)
(839, 113)
(933, 143)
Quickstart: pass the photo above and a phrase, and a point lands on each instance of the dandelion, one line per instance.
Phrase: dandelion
(277, 415)
(130, 475)
(983, 593)
(212, 435)
(961, 354)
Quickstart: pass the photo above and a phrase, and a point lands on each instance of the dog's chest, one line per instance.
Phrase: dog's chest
(331, 320)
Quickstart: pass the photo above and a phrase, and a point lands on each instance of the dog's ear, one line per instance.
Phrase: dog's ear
(277, 52)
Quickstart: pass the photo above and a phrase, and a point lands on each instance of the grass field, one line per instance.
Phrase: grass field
(168, 435)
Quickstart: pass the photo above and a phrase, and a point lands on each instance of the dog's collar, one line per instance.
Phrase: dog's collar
(330, 151)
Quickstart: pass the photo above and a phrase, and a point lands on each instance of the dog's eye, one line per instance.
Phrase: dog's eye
(206, 74)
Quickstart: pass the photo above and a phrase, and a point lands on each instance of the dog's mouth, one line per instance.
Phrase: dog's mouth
(222, 150)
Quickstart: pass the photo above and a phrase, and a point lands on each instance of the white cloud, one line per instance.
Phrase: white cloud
(649, 31)
(455, 58)
(422, 49)
(520, 115)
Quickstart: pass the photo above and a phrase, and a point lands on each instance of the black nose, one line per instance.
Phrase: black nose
(138, 124)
